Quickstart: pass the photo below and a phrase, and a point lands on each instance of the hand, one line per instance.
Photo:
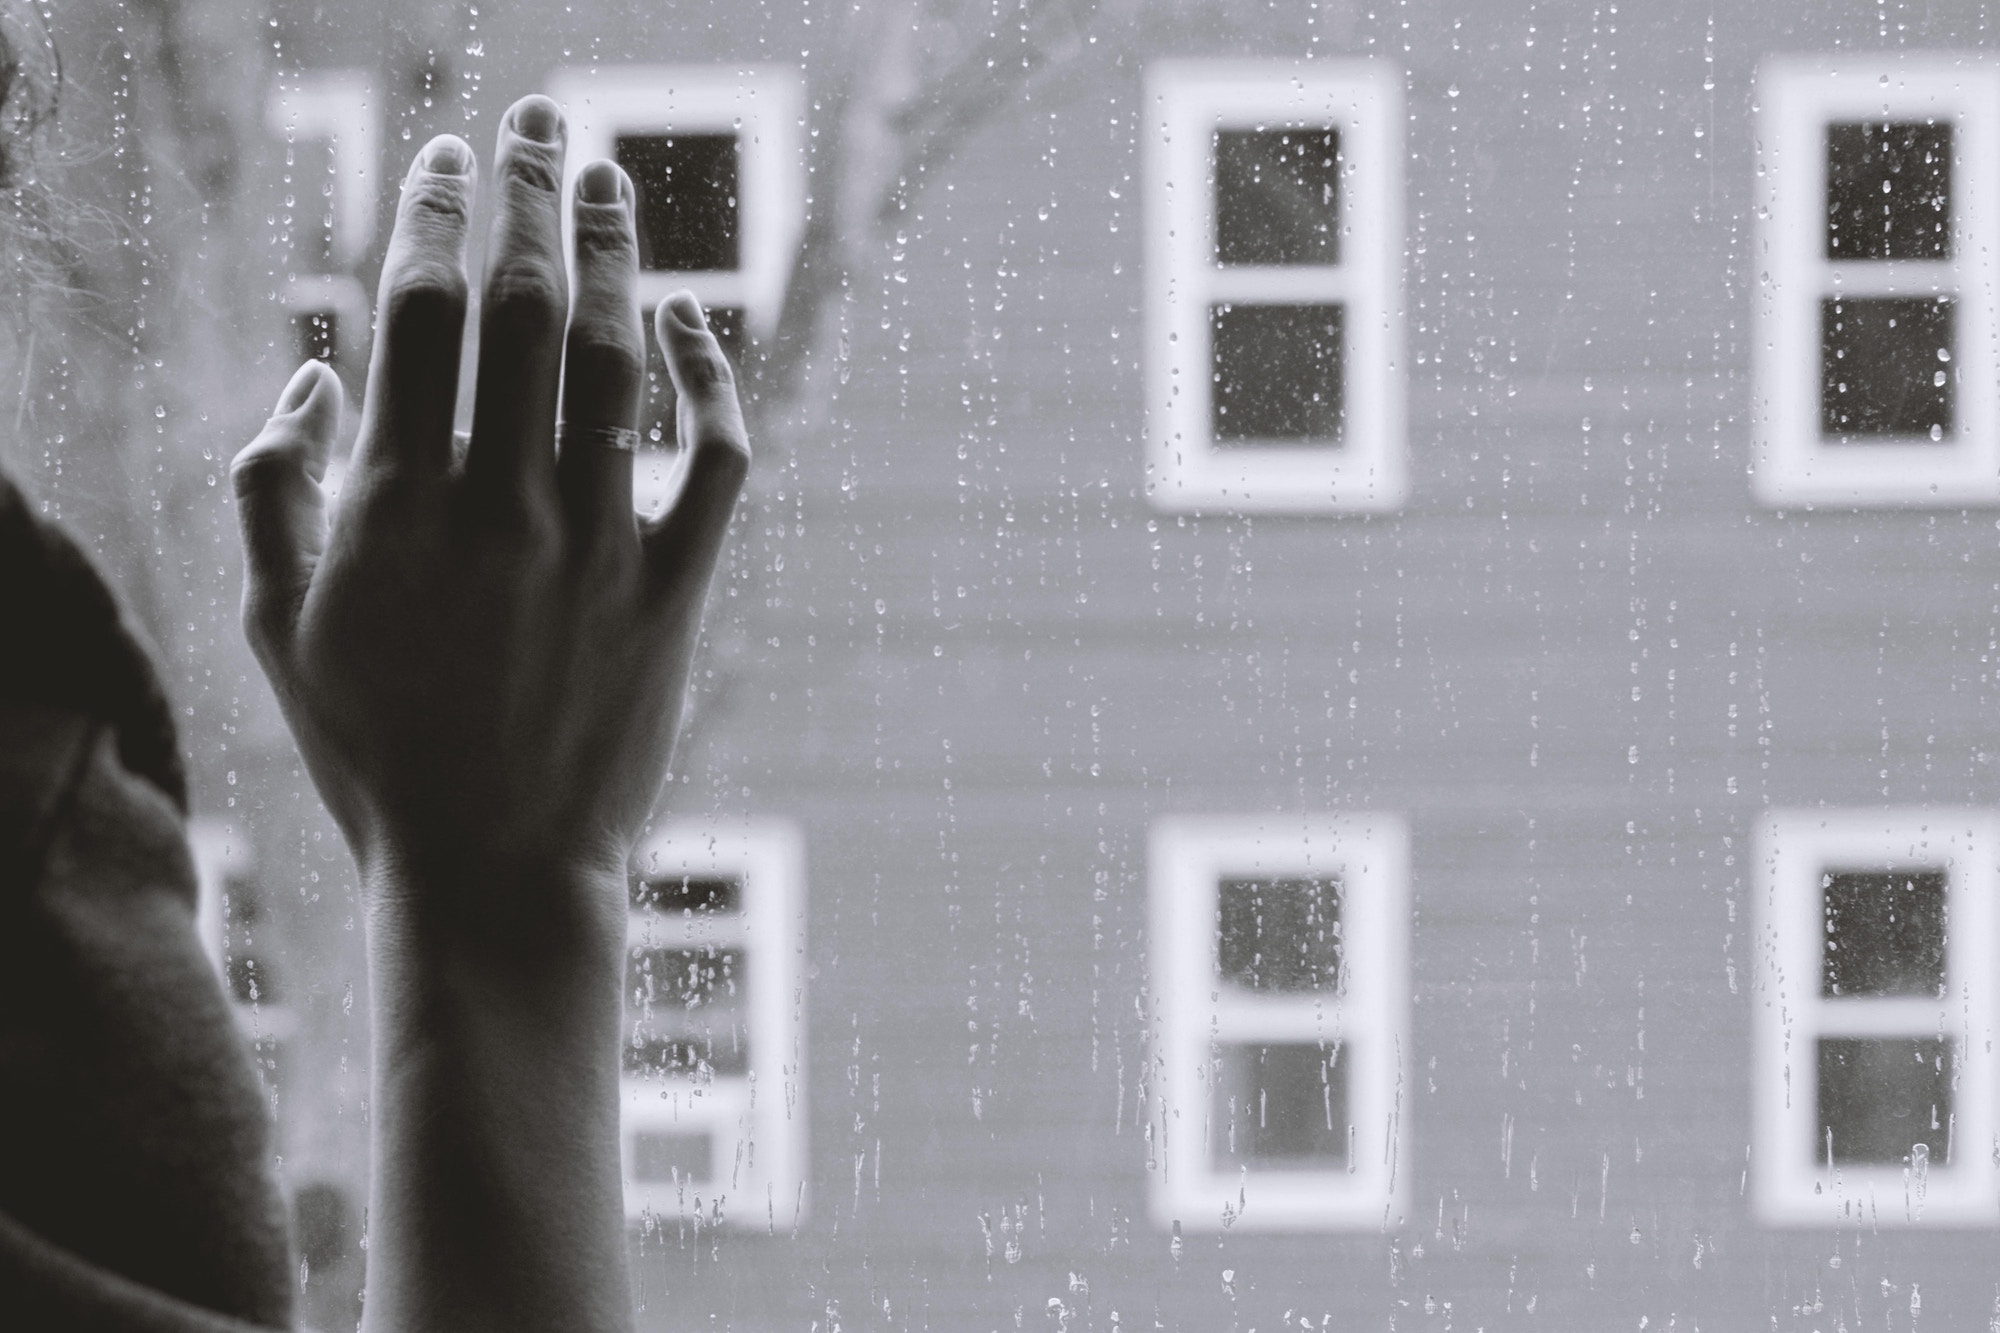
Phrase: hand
(483, 655)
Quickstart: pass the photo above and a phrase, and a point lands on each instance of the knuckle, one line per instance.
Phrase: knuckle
(526, 290)
(534, 167)
(604, 352)
(261, 462)
(435, 201)
(706, 369)
(604, 235)
(526, 523)
(726, 452)
(424, 291)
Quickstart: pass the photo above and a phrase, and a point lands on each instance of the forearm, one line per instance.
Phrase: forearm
(496, 1197)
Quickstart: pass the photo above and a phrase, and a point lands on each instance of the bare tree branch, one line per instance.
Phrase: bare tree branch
(903, 94)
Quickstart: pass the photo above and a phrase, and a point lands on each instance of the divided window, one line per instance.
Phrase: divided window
(237, 925)
(1877, 359)
(1274, 255)
(714, 1048)
(1874, 1049)
(331, 132)
(1280, 982)
(717, 162)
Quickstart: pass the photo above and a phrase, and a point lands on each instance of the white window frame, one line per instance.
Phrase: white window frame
(1187, 101)
(763, 105)
(1798, 98)
(1194, 1013)
(337, 106)
(219, 850)
(756, 1122)
(1794, 848)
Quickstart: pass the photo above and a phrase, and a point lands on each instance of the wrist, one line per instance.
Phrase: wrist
(521, 918)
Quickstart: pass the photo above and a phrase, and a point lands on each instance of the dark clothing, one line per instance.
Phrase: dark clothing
(136, 1190)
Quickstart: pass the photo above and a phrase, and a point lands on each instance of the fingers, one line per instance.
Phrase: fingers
(682, 544)
(420, 307)
(604, 359)
(522, 311)
(279, 502)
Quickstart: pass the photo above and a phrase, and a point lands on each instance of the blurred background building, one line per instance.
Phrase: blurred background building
(1354, 690)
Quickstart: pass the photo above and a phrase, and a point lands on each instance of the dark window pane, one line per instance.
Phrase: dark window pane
(686, 185)
(1885, 368)
(684, 978)
(1279, 934)
(315, 335)
(1278, 373)
(1888, 191)
(245, 967)
(709, 1053)
(1884, 933)
(250, 980)
(656, 412)
(1277, 196)
(324, 1226)
(1879, 1096)
(1282, 1105)
(663, 1157)
(711, 894)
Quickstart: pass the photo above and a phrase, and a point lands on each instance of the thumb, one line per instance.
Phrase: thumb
(279, 502)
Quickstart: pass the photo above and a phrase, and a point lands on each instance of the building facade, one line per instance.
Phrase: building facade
(1354, 690)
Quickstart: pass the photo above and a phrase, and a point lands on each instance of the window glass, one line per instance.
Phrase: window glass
(1279, 934)
(1278, 373)
(1876, 353)
(1277, 196)
(1356, 686)
(1274, 365)
(1888, 191)
(1280, 1105)
(1885, 368)
(1871, 1056)
(686, 185)
(1885, 933)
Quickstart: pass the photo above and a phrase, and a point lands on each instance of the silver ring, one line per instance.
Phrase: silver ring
(624, 440)
(461, 440)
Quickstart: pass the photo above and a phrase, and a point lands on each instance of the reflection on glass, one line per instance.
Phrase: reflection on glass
(1278, 374)
(686, 185)
(1277, 196)
(1884, 933)
(1888, 191)
(1281, 1105)
(1885, 368)
(1279, 934)
(1881, 1096)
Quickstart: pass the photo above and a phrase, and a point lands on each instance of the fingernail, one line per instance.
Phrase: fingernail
(601, 183)
(298, 389)
(687, 311)
(447, 155)
(537, 118)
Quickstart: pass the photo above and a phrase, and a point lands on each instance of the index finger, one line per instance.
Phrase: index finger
(406, 415)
